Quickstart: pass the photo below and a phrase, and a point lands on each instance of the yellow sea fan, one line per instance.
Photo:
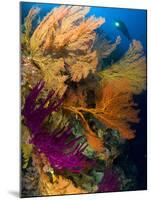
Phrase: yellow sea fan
(25, 37)
(55, 81)
(64, 27)
(30, 74)
(51, 70)
(26, 147)
(58, 120)
(44, 32)
(27, 151)
(131, 66)
(81, 66)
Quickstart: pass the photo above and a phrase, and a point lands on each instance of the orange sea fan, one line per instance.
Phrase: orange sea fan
(93, 140)
(82, 36)
(75, 97)
(116, 108)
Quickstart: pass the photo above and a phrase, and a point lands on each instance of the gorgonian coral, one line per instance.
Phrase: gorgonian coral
(61, 186)
(62, 44)
(35, 115)
(66, 50)
(132, 67)
(93, 140)
(62, 150)
(114, 108)
(110, 182)
(27, 30)
(49, 182)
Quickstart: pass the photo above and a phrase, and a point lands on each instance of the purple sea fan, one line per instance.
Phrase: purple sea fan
(60, 147)
(61, 151)
(110, 182)
(34, 116)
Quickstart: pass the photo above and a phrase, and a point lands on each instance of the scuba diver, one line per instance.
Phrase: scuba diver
(122, 27)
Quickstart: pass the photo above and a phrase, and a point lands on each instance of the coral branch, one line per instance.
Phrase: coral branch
(25, 39)
(115, 108)
(62, 150)
(61, 46)
(93, 140)
(35, 116)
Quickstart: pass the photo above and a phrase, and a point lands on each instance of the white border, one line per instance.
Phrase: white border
(9, 97)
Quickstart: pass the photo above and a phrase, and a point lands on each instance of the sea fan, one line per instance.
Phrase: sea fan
(62, 150)
(132, 66)
(61, 46)
(110, 182)
(115, 108)
(27, 30)
(34, 115)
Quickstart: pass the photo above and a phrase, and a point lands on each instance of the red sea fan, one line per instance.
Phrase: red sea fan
(60, 147)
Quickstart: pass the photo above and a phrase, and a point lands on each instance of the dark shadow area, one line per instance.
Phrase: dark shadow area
(14, 193)
(133, 158)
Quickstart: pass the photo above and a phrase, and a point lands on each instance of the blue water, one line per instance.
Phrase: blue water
(135, 20)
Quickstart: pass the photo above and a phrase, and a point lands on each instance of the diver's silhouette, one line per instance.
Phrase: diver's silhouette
(122, 27)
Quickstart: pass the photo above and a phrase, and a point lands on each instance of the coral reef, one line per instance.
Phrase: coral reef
(62, 44)
(62, 151)
(77, 115)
